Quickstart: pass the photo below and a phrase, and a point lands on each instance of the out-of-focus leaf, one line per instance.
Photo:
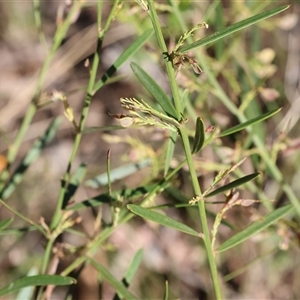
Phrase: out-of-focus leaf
(119, 286)
(31, 156)
(102, 128)
(131, 270)
(17, 231)
(132, 49)
(37, 280)
(5, 223)
(113, 196)
(117, 174)
(27, 292)
(170, 151)
(75, 181)
(133, 267)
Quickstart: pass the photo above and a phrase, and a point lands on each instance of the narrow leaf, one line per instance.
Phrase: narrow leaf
(170, 151)
(233, 28)
(17, 231)
(255, 227)
(199, 136)
(119, 286)
(178, 196)
(38, 280)
(102, 128)
(5, 223)
(131, 271)
(27, 292)
(30, 157)
(74, 183)
(78, 175)
(107, 198)
(161, 219)
(131, 50)
(133, 267)
(154, 89)
(117, 173)
(248, 123)
(232, 184)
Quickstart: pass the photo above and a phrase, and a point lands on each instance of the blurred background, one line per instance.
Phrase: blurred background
(258, 68)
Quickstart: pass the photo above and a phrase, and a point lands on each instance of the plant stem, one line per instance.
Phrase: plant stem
(59, 36)
(187, 149)
(89, 94)
(96, 61)
(169, 65)
(38, 21)
(46, 257)
(221, 95)
(125, 216)
(36, 226)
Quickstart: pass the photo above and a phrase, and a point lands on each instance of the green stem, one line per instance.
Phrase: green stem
(59, 36)
(38, 21)
(96, 60)
(187, 149)
(124, 218)
(90, 92)
(221, 95)
(169, 65)
(36, 226)
(274, 170)
(202, 214)
(46, 256)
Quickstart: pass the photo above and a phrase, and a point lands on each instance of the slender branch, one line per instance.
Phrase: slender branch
(187, 149)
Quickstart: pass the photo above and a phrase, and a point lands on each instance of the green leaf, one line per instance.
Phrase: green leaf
(132, 49)
(232, 184)
(161, 219)
(38, 280)
(248, 123)
(255, 227)
(199, 136)
(107, 198)
(131, 271)
(233, 28)
(102, 128)
(75, 181)
(170, 151)
(30, 157)
(178, 196)
(154, 89)
(119, 286)
(117, 173)
(17, 231)
(78, 175)
(5, 223)
(133, 267)
(27, 292)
